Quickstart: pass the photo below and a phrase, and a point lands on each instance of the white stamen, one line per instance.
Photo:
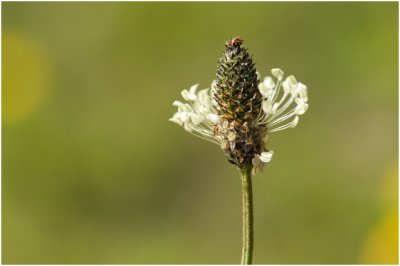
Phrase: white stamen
(276, 92)
(282, 118)
(301, 107)
(213, 118)
(176, 120)
(278, 73)
(289, 125)
(266, 87)
(266, 156)
(191, 94)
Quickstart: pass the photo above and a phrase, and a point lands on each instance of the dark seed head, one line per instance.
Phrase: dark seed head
(238, 104)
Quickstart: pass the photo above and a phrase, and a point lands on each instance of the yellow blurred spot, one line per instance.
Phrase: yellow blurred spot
(382, 244)
(25, 76)
(389, 191)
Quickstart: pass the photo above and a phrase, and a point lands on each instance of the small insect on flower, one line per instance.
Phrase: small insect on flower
(240, 111)
(235, 41)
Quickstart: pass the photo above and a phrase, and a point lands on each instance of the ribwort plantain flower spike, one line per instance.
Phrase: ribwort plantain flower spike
(240, 111)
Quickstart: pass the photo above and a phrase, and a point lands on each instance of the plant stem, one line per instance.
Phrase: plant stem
(248, 225)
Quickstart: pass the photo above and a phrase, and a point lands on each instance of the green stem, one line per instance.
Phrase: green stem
(248, 225)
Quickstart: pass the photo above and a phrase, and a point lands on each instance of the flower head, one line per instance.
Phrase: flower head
(239, 111)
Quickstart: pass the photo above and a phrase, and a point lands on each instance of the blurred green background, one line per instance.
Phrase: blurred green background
(93, 171)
